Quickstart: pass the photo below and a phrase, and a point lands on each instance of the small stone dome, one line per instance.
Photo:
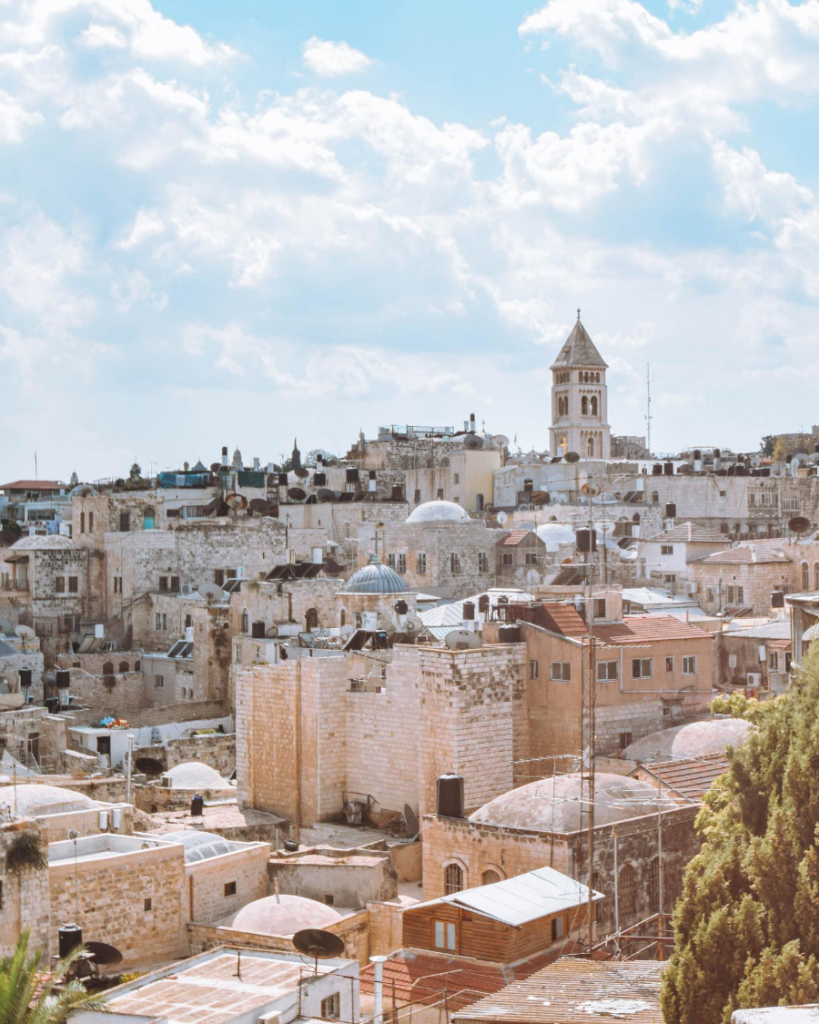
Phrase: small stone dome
(438, 512)
(281, 915)
(51, 542)
(553, 805)
(554, 535)
(691, 740)
(375, 578)
(194, 775)
(35, 801)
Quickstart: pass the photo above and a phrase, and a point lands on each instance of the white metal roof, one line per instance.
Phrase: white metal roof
(516, 901)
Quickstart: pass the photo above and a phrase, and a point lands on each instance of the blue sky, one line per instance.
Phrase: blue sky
(236, 223)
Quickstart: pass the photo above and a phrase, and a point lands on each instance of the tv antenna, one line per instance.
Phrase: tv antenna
(648, 406)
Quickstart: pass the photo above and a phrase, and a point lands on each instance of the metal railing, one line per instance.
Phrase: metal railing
(11, 584)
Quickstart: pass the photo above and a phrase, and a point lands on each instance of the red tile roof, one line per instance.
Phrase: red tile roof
(32, 485)
(641, 629)
(515, 537)
(558, 618)
(690, 777)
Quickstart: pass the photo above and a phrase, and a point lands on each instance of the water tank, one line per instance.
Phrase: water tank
(291, 845)
(450, 802)
(282, 479)
(69, 936)
(319, 479)
(509, 634)
(63, 679)
(397, 493)
(401, 607)
(53, 705)
(197, 806)
(351, 476)
(586, 540)
(469, 610)
(670, 510)
(24, 677)
(257, 630)
(778, 599)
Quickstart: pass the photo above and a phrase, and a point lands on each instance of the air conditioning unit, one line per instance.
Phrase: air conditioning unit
(188, 588)
(754, 678)
(274, 1017)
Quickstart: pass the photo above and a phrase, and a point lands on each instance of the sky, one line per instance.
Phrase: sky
(237, 223)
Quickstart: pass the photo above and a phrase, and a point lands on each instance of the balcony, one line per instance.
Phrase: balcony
(12, 584)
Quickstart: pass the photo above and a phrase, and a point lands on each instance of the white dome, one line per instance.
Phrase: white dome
(51, 542)
(691, 740)
(35, 801)
(554, 535)
(553, 805)
(438, 512)
(195, 775)
(281, 915)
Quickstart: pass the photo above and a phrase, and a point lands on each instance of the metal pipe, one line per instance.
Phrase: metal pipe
(378, 988)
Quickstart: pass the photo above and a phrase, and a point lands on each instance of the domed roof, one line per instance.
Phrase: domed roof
(52, 542)
(553, 805)
(35, 801)
(375, 578)
(195, 775)
(691, 740)
(555, 534)
(438, 512)
(281, 915)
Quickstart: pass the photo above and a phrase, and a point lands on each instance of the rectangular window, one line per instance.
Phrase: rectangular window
(456, 478)
(421, 563)
(401, 568)
(483, 561)
(506, 558)
(690, 665)
(219, 577)
(558, 928)
(117, 584)
(455, 564)
(669, 664)
(391, 561)
(82, 522)
(669, 578)
(740, 595)
(331, 1007)
(59, 584)
(163, 582)
(534, 669)
(600, 607)
(444, 935)
(230, 888)
(625, 740)
(773, 661)
(642, 668)
(159, 682)
(124, 522)
(73, 584)
(531, 558)
(175, 584)
(607, 671)
(729, 595)
(666, 549)
(90, 522)
(561, 671)
(148, 904)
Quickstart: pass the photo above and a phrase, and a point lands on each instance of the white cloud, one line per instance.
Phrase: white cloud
(15, 118)
(101, 37)
(331, 60)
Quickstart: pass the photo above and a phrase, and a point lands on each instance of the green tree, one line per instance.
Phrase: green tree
(28, 996)
(766, 445)
(746, 925)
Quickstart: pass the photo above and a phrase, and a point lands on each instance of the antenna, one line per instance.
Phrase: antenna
(502, 518)
(648, 406)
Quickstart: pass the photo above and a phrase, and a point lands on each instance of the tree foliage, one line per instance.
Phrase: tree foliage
(746, 926)
(737, 705)
(766, 445)
(786, 444)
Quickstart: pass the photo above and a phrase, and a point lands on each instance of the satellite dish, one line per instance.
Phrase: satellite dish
(271, 631)
(301, 473)
(258, 505)
(411, 821)
(472, 442)
(801, 450)
(211, 592)
(462, 640)
(236, 501)
(149, 766)
(500, 441)
(571, 457)
(799, 524)
(318, 943)
(533, 577)
(25, 632)
(296, 493)
(414, 624)
(325, 494)
(503, 518)
(589, 490)
(103, 954)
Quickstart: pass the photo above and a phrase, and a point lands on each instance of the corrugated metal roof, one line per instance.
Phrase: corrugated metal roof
(779, 629)
(452, 614)
(745, 555)
(577, 992)
(688, 533)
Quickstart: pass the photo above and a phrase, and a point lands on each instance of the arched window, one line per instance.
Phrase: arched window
(311, 620)
(654, 886)
(591, 445)
(816, 575)
(627, 890)
(245, 622)
(124, 666)
(108, 668)
(149, 519)
(805, 576)
(453, 879)
(342, 617)
(594, 405)
(584, 406)
(490, 876)
(655, 497)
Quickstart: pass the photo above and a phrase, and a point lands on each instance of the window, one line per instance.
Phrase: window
(219, 577)
(444, 935)
(600, 607)
(655, 497)
(805, 576)
(561, 671)
(421, 563)
(245, 622)
(73, 584)
(490, 876)
(391, 561)
(773, 661)
(690, 665)
(230, 888)
(124, 666)
(456, 479)
(147, 904)
(584, 406)
(59, 584)
(175, 584)
(82, 522)
(117, 584)
(453, 879)
(455, 564)
(163, 582)
(666, 549)
(669, 664)
(90, 522)
(531, 558)
(669, 578)
(642, 668)
(149, 519)
(160, 621)
(124, 522)
(740, 595)
(401, 568)
(627, 890)
(506, 558)
(483, 563)
(624, 739)
(729, 595)
(558, 928)
(311, 619)
(331, 1007)
(607, 671)
(329, 899)
(534, 669)
(593, 405)
(342, 617)
(188, 621)
(159, 682)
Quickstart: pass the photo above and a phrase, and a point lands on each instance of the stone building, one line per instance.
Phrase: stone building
(757, 658)
(741, 579)
(580, 399)
(664, 557)
(522, 558)
(44, 585)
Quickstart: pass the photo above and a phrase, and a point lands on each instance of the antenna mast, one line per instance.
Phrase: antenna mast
(648, 406)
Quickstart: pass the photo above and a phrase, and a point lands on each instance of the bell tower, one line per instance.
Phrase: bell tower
(580, 399)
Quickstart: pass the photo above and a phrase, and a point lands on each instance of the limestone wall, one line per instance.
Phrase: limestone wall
(207, 879)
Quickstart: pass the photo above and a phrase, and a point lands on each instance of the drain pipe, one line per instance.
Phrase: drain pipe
(378, 988)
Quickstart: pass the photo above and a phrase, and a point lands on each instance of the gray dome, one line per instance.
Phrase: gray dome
(375, 578)
(438, 512)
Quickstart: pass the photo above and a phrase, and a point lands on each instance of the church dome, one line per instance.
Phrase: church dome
(281, 915)
(36, 801)
(375, 578)
(438, 512)
(553, 805)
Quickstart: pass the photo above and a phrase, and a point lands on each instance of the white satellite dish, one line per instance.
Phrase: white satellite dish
(500, 440)
(414, 624)
(533, 577)
(211, 592)
(462, 640)
(25, 632)
(272, 631)
(503, 518)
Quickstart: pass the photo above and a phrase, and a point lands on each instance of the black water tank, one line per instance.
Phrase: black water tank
(397, 493)
(197, 806)
(778, 599)
(450, 789)
(469, 610)
(319, 479)
(372, 474)
(670, 510)
(282, 479)
(483, 603)
(69, 936)
(24, 676)
(509, 634)
(63, 679)
(53, 705)
(697, 455)
(401, 607)
(257, 630)
(586, 540)
(351, 476)
(668, 468)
